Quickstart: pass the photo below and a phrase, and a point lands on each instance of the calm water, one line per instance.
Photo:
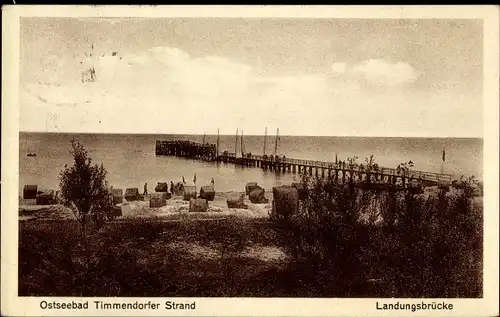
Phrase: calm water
(130, 159)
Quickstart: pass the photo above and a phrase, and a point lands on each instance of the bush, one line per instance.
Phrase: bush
(84, 189)
(354, 239)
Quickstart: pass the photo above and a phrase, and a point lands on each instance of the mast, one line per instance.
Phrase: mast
(241, 146)
(265, 141)
(203, 138)
(236, 144)
(276, 143)
(217, 146)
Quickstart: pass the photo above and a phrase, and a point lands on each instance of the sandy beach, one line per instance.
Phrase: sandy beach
(175, 209)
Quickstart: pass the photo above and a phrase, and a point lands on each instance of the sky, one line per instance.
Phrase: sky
(330, 77)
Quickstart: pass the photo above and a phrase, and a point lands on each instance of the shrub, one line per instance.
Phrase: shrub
(347, 235)
(84, 188)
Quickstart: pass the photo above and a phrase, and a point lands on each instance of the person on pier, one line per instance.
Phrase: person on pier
(145, 188)
(183, 180)
(172, 187)
(213, 182)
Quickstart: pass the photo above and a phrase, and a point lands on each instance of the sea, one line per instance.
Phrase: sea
(130, 159)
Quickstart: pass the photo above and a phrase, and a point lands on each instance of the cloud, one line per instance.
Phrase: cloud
(166, 90)
(170, 90)
(381, 72)
(339, 68)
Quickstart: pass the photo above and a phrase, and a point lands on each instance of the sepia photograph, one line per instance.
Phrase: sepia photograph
(188, 157)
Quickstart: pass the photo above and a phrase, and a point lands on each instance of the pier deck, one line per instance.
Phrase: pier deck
(340, 171)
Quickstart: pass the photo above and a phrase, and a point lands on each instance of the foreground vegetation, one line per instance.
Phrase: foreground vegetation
(138, 258)
(434, 253)
(349, 239)
(356, 240)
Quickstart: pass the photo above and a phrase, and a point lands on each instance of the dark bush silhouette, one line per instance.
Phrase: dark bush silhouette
(353, 239)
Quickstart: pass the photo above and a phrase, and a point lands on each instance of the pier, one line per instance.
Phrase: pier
(192, 150)
(341, 171)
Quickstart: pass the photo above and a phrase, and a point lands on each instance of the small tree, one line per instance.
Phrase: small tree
(84, 188)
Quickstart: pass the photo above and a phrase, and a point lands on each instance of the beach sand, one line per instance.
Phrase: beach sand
(175, 209)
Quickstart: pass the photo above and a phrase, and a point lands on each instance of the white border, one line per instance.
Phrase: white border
(16, 306)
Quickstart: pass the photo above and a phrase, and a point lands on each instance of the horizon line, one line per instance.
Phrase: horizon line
(269, 135)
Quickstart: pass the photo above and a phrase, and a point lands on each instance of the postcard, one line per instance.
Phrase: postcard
(250, 160)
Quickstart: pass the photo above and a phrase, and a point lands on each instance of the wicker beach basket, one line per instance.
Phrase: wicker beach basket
(132, 194)
(189, 192)
(30, 191)
(178, 189)
(198, 205)
(117, 194)
(257, 196)
(236, 202)
(207, 192)
(285, 201)
(250, 186)
(46, 197)
(161, 188)
(158, 200)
